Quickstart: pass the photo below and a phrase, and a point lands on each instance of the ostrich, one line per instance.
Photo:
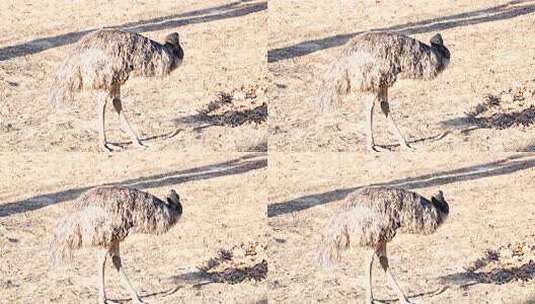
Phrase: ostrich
(104, 60)
(104, 217)
(371, 218)
(372, 62)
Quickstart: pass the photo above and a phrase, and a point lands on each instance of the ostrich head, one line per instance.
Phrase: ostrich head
(172, 42)
(441, 205)
(438, 44)
(437, 39)
(173, 201)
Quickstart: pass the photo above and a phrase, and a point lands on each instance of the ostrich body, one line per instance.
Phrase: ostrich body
(371, 63)
(104, 60)
(370, 219)
(103, 217)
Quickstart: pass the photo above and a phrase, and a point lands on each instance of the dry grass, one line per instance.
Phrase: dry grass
(514, 107)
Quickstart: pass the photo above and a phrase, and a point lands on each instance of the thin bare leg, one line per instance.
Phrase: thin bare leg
(371, 106)
(118, 106)
(101, 108)
(102, 255)
(383, 260)
(385, 107)
(116, 258)
(369, 293)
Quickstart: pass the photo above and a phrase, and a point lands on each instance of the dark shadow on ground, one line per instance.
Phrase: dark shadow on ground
(416, 295)
(500, 121)
(432, 138)
(501, 266)
(498, 275)
(501, 12)
(504, 166)
(239, 165)
(230, 118)
(162, 293)
(231, 10)
(231, 275)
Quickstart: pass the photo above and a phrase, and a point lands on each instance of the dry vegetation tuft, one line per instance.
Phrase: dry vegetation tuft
(236, 265)
(509, 108)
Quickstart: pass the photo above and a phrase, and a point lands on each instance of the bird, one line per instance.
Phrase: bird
(370, 218)
(370, 63)
(103, 60)
(103, 217)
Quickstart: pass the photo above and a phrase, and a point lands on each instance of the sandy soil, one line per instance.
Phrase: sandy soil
(224, 209)
(470, 259)
(224, 50)
(491, 53)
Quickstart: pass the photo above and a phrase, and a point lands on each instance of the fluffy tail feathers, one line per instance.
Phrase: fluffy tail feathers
(335, 83)
(335, 240)
(67, 238)
(68, 79)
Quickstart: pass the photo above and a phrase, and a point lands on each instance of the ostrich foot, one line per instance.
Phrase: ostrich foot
(374, 148)
(139, 144)
(109, 147)
(138, 301)
(406, 147)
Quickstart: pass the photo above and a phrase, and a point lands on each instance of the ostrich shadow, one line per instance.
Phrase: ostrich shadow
(432, 138)
(434, 292)
(122, 145)
(163, 293)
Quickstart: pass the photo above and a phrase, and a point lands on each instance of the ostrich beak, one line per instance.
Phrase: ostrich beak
(173, 196)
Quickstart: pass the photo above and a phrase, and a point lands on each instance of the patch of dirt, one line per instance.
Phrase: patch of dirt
(236, 265)
(236, 108)
(509, 108)
(514, 261)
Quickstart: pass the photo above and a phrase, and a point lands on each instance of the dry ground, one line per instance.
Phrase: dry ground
(484, 253)
(224, 209)
(224, 44)
(490, 43)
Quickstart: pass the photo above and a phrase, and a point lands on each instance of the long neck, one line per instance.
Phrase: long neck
(425, 62)
(159, 219)
(176, 51)
(419, 216)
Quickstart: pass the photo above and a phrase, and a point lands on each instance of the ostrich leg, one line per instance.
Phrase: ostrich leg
(385, 107)
(383, 260)
(371, 105)
(118, 106)
(102, 100)
(102, 255)
(116, 259)
(369, 293)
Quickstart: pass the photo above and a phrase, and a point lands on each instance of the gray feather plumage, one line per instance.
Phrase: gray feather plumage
(373, 60)
(104, 215)
(373, 215)
(106, 58)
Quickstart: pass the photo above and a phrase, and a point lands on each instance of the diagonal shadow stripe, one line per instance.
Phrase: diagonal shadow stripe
(496, 13)
(236, 166)
(501, 167)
